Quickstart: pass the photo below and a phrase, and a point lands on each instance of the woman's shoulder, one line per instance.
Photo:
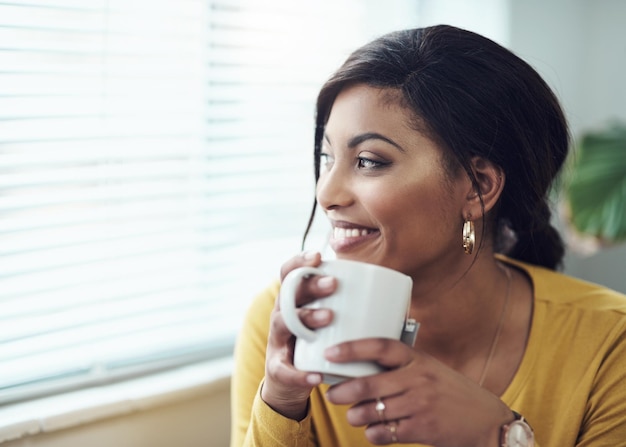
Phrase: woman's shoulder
(260, 308)
(267, 296)
(575, 353)
(559, 289)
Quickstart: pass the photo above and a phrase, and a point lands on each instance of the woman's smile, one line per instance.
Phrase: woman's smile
(346, 236)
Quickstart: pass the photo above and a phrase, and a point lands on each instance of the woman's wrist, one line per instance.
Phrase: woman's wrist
(290, 408)
(493, 436)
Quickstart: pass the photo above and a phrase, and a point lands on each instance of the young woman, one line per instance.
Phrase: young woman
(435, 149)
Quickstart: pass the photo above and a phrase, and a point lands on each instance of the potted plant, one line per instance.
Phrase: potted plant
(595, 189)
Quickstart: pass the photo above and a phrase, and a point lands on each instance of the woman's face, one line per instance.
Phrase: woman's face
(384, 187)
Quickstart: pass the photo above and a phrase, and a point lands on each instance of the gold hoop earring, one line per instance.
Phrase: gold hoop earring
(469, 237)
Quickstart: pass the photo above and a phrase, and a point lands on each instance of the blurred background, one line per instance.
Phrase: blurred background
(155, 172)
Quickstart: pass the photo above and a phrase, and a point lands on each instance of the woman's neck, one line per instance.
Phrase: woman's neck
(458, 325)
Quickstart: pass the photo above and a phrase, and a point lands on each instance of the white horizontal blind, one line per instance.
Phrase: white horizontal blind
(103, 223)
(154, 165)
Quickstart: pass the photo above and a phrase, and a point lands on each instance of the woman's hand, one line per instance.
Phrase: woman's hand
(424, 400)
(285, 388)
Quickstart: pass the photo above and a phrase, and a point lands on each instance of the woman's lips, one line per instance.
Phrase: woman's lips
(345, 238)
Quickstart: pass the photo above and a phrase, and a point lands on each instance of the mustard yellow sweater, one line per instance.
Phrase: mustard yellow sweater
(571, 384)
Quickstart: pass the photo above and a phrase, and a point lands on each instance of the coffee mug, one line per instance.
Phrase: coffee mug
(370, 301)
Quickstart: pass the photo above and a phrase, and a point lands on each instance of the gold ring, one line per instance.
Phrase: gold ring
(392, 427)
(380, 409)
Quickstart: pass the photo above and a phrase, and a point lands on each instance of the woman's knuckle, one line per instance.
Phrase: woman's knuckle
(356, 415)
(381, 346)
(378, 436)
(276, 322)
(363, 387)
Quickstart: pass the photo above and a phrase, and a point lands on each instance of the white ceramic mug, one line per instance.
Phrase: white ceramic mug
(370, 301)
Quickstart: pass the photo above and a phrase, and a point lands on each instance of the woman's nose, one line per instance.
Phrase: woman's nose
(334, 189)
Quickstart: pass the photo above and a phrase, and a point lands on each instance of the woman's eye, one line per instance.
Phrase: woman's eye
(326, 160)
(368, 163)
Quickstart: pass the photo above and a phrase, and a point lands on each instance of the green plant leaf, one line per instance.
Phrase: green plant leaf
(596, 190)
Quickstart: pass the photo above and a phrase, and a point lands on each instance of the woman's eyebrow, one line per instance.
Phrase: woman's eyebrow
(358, 139)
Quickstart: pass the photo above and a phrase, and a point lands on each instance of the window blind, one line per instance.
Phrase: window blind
(155, 171)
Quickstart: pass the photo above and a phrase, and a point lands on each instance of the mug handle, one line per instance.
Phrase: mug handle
(288, 302)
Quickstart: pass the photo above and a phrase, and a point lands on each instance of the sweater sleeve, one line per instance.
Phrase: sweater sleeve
(254, 423)
(267, 428)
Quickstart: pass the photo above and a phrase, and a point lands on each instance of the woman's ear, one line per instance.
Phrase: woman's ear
(490, 178)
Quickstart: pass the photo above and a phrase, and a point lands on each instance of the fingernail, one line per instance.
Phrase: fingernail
(325, 282)
(314, 379)
(309, 255)
(321, 315)
(332, 352)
